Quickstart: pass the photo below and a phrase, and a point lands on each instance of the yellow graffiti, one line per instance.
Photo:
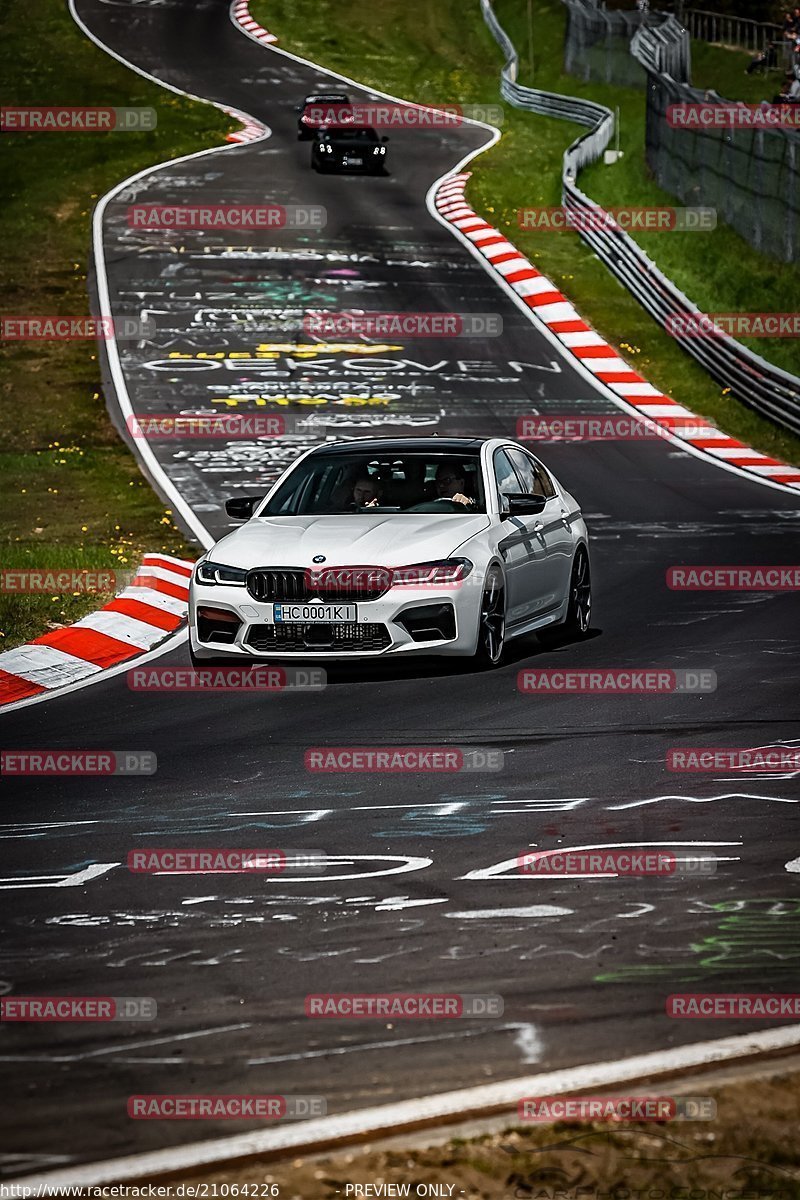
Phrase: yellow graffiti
(262, 401)
(295, 349)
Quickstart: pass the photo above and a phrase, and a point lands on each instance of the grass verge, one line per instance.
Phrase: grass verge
(444, 54)
(72, 495)
(746, 1151)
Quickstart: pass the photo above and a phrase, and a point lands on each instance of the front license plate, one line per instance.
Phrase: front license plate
(313, 614)
(354, 162)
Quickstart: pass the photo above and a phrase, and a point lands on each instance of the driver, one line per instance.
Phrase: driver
(367, 492)
(450, 484)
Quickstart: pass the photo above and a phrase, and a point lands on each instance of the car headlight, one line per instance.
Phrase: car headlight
(447, 572)
(211, 573)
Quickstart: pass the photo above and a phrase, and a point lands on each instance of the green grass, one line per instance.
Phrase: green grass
(443, 53)
(71, 493)
(723, 69)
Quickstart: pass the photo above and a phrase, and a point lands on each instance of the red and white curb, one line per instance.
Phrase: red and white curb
(251, 131)
(240, 11)
(142, 615)
(595, 355)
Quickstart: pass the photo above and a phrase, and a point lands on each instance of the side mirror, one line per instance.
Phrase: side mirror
(241, 507)
(520, 505)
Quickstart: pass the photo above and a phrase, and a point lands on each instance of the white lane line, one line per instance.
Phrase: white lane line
(301, 1056)
(530, 910)
(144, 449)
(445, 1107)
(508, 864)
(124, 1047)
(13, 883)
(146, 454)
(701, 800)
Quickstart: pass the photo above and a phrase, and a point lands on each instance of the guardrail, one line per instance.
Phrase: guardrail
(768, 389)
(729, 31)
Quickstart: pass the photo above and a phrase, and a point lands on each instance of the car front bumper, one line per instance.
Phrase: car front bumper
(390, 625)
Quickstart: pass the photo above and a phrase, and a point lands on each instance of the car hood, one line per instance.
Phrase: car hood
(395, 540)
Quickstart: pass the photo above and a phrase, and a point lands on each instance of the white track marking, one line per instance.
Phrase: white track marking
(10, 883)
(701, 799)
(396, 903)
(356, 1047)
(530, 910)
(145, 452)
(499, 869)
(443, 1108)
(125, 1047)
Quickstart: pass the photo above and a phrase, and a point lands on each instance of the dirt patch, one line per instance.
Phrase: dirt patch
(749, 1151)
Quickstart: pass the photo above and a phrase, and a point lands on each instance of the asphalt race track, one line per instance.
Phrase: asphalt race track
(583, 965)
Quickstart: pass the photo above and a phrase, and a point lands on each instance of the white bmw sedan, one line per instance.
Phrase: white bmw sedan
(376, 547)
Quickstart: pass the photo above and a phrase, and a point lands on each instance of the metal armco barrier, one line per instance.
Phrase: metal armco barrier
(766, 388)
(728, 30)
(751, 176)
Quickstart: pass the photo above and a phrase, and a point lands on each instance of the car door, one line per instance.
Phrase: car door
(554, 522)
(530, 567)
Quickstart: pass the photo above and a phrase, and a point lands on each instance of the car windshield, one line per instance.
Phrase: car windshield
(418, 481)
(329, 98)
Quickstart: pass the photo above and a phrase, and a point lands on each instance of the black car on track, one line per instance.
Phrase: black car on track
(349, 148)
(318, 109)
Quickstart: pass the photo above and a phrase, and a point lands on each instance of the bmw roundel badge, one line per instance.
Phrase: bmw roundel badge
(318, 558)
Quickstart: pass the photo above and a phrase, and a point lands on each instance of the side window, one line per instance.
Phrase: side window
(505, 476)
(535, 479)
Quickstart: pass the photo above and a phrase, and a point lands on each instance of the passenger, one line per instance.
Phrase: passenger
(367, 492)
(450, 484)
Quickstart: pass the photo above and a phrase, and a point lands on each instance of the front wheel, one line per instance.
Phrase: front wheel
(579, 610)
(491, 622)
